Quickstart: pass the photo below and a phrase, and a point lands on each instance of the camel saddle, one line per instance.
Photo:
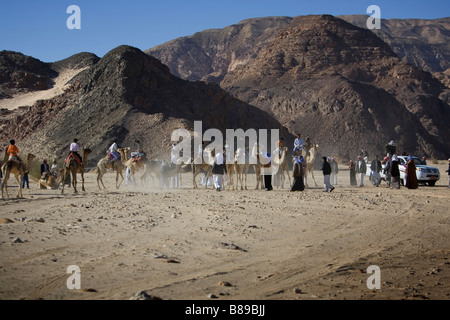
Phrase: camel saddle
(73, 156)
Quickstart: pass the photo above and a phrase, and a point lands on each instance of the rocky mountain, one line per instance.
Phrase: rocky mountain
(341, 85)
(422, 43)
(210, 54)
(126, 95)
(20, 73)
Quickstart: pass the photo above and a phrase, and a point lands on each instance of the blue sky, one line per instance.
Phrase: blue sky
(38, 28)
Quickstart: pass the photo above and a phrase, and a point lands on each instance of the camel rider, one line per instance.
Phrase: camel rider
(13, 152)
(298, 143)
(113, 152)
(74, 149)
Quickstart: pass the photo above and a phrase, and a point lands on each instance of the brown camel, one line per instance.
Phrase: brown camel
(51, 182)
(283, 167)
(310, 163)
(241, 166)
(230, 174)
(73, 167)
(116, 165)
(259, 176)
(18, 170)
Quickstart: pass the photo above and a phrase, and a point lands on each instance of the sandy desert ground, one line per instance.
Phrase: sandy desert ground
(183, 244)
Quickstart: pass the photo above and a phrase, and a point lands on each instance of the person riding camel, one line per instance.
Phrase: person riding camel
(74, 149)
(114, 154)
(298, 144)
(13, 152)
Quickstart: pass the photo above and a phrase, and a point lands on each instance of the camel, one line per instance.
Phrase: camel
(259, 176)
(241, 166)
(310, 163)
(134, 165)
(51, 182)
(18, 170)
(116, 165)
(167, 172)
(230, 173)
(203, 166)
(283, 167)
(152, 169)
(72, 166)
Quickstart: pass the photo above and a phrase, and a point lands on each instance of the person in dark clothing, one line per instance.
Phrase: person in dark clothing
(298, 174)
(352, 170)
(395, 173)
(326, 169)
(411, 180)
(266, 170)
(45, 168)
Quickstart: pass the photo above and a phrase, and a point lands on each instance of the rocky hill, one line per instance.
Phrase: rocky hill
(422, 43)
(338, 83)
(210, 54)
(126, 95)
(20, 73)
(346, 88)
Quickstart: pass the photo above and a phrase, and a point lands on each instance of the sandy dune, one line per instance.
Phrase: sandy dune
(28, 99)
(202, 244)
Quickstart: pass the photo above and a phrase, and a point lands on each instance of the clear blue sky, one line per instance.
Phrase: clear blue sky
(38, 27)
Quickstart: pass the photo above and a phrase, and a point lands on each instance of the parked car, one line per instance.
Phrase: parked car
(425, 174)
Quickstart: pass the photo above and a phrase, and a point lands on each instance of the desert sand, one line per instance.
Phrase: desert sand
(183, 244)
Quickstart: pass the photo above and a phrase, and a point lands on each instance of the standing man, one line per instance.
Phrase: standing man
(326, 169)
(376, 169)
(390, 149)
(361, 170)
(218, 170)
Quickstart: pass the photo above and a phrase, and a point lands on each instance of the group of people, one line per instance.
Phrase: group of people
(389, 166)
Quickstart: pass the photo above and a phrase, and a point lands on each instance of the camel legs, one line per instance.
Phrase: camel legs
(82, 181)
(119, 173)
(100, 180)
(19, 181)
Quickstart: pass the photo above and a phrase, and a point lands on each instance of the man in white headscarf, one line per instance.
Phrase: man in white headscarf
(218, 170)
(390, 149)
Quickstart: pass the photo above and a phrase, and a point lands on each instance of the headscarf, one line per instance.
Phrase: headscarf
(410, 158)
(394, 157)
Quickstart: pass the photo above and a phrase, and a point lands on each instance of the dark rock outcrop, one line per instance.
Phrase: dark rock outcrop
(128, 95)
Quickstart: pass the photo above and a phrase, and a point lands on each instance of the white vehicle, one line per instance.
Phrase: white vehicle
(425, 174)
